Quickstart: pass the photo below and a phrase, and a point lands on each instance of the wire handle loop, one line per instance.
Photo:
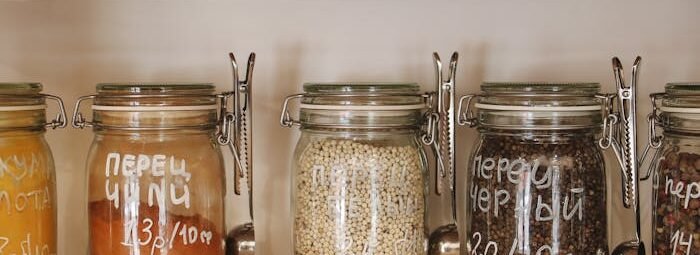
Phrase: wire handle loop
(79, 120)
(60, 120)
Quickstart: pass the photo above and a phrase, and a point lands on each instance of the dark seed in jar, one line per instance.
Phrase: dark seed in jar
(537, 196)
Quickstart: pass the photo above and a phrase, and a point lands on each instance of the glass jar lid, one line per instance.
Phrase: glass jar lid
(516, 105)
(680, 107)
(157, 106)
(682, 95)
(23, 106)
(155, 95)
(362, 105)
(22, 94)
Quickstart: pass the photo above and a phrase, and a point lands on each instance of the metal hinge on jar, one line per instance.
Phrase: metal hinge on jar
(654, 139)
(60, 120)
(79, 120)
(465, 115)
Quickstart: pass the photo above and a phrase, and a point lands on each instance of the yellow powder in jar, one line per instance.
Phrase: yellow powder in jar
(27, 184)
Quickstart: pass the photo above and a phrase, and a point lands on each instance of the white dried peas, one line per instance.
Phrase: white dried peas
(356, 198)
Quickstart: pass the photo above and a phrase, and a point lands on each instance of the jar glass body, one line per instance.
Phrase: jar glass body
(536, 181)
(155, 175)
(676, 168)
(27, 193)
(27, 174)
(677, 195)
(537, 193)
(359, 171)
(359, 192)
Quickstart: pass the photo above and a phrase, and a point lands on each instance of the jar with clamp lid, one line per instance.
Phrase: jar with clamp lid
(359, 169)
(675, 169)
(155, 169)
(27, 175)
(536, 178)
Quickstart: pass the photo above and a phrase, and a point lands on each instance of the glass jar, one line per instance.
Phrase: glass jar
(359, 170)
(676, 170)
(27, 175)
(155, 170)
(536, 178)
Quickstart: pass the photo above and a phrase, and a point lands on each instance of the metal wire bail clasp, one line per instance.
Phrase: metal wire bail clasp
(429, 129)
(465, 115)
(610, 120)
(60, 120)
(654, 119)
(286, 119)
(654, 140)
(78, 119)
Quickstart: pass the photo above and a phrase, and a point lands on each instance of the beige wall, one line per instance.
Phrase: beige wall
(70, 45)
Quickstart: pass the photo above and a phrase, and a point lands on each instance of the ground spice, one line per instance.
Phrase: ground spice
(180, 235)
(537, 196)
(677, 205)
(359, 198)
(27, 209)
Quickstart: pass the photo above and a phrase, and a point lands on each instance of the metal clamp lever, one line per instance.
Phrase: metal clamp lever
(237, 122)
(444, 110)
(627, 148)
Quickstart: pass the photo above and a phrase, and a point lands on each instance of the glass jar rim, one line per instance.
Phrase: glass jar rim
(155, 88)
(19, 94)
(539, 105)
(681, 96)
(361, 105)
(563, 88)
(683, 88)
(20, 88)
(22, 106)
(384, 88)
(680, 107)
(127, 96)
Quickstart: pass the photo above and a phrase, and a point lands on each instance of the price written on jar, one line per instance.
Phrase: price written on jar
(491, 247)
(27, 246)
(681, 241)
(131, 167)
(188, 235)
